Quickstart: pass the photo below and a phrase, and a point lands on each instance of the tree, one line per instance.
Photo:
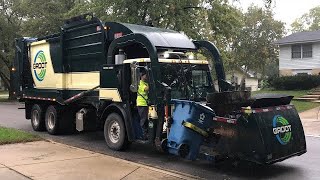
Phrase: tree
(216, 20)
(172, 14)
(307, 22)
(254, 46)
(9, 30)
(26, 18)
(44, 17)
(224, 25)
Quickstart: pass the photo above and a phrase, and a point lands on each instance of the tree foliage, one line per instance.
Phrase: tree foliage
(254, 46)
(213, 20)
(307, 22)
(9, 25)
(43, 17)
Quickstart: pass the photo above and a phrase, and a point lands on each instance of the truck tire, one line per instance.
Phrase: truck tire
(52, 120)
(115, 132)
(37, 118)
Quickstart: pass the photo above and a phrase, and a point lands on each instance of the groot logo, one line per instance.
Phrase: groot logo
(282, 129)
(40, 65)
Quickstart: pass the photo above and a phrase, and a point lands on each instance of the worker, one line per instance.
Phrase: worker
(142, 103)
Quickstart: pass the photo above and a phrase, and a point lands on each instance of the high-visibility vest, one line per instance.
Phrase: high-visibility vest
(142, 95)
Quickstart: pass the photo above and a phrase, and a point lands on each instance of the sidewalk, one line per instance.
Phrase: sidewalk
(311, 121)
(49, 160)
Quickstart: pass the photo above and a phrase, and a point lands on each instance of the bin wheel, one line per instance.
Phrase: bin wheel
(164, 145)
(115, 132)
(52, 120)
(37, 118)
(183, 150)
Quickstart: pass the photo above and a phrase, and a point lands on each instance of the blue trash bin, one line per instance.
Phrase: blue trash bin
(191, 121)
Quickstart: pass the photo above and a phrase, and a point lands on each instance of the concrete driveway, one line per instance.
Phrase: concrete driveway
(311, 121)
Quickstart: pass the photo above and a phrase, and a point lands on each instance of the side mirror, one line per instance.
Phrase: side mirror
(134, 77)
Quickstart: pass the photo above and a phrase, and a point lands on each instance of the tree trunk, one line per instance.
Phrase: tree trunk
(5, 80)
(12, 94)
(7, 85)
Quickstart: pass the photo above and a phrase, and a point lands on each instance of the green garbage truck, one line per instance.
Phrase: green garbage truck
(86, 77)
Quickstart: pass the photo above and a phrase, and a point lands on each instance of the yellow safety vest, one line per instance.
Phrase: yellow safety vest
(142, 95)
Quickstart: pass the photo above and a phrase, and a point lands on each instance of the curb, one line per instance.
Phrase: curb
(9, 102)
(315, 136)
(156, 169)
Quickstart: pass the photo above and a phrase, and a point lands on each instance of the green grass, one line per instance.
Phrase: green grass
(3, 92)
(10, 136)
(303, 106)
(300, 105)
(292, 93)
(4, 95)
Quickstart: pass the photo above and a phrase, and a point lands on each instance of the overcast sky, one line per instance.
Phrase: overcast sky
(285, 10)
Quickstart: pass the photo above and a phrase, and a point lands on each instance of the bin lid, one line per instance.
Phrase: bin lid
(200, 107)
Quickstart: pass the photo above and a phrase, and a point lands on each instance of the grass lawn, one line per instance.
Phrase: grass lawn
(10, 136)
(4, 96)
(300, 105)
(3, 92)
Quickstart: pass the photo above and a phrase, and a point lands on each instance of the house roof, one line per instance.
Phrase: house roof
(300, 37)
(249, 73)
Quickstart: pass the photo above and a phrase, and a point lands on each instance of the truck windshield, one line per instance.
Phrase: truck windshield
(187, 81)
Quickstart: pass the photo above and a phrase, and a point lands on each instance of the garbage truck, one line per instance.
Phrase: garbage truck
(86, 77)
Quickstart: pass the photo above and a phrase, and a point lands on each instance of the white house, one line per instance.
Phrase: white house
(299, 53)
(251, 79)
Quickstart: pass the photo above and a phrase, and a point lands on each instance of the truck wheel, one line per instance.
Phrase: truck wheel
(51, 120)
(37, 118)
(115, 132)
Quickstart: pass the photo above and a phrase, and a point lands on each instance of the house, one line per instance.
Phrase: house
(299, 53)
(251, 79)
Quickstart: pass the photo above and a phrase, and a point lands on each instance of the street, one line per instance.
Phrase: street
(302, 167)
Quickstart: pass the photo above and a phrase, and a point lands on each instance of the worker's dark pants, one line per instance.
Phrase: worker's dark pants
(143, 113)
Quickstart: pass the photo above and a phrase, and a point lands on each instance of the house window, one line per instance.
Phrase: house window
(306, 51)
(296, 51)
(301, 51)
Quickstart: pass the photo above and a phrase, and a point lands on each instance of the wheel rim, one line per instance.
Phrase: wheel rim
(51, 120)
(35, 118)
(114, 132)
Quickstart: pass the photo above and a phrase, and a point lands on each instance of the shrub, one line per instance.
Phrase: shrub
(298, 82)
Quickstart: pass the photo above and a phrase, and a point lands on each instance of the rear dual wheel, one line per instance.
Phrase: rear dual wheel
(52, 120)
(59, 121)
(37, 118)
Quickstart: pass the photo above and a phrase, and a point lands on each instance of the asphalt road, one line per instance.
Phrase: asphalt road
(304, 167)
